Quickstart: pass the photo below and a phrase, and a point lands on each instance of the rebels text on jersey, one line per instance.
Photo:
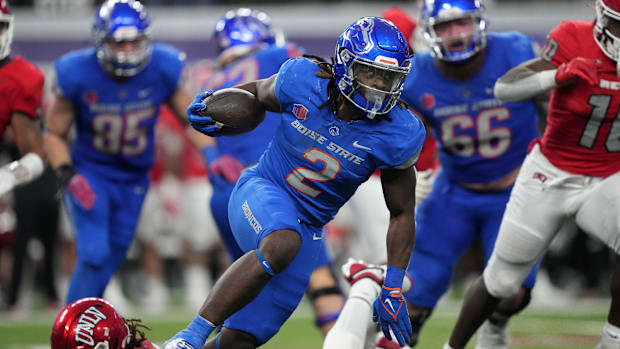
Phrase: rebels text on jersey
(319, 159)
(583, 132)
(115, 119)
(21, 89)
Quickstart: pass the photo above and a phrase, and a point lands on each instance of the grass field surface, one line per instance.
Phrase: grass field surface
(576, 326)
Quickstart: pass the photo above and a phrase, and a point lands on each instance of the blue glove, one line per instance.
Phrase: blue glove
(202, 124)
(390, 308)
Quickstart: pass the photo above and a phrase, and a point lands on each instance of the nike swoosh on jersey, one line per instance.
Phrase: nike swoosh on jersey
(314, 237)
(359, 146)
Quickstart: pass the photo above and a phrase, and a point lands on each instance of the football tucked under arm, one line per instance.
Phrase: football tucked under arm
(233, 110)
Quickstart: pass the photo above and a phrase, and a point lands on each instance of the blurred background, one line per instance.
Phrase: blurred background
(162, 272)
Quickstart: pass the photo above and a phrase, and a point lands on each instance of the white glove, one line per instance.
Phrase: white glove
(21, 171)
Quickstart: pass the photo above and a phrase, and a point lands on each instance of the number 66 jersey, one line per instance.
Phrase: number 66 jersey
(115, 119)
(481, 139)
(320, 160)
(583, 132)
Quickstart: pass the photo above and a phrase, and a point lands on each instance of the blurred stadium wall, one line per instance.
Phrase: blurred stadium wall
(43, 34)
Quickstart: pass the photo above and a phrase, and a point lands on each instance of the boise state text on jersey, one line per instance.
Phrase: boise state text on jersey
(262, 64)
(116, 119)
(319, 159)
(480, 138)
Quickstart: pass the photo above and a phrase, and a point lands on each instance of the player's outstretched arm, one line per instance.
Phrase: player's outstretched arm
(178, 104)
(27, 133)
(537, 76)
(58, 123)
(30, 166)
(525, 81)
(399, 192)
(390, 309)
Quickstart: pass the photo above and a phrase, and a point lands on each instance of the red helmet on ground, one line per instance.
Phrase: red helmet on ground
(6, 29)
(90, 323)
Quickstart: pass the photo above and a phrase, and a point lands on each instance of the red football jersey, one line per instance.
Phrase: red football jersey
(21, 89)
(583, 131)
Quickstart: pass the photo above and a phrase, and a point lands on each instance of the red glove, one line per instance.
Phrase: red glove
(579, 68)
(227, 167)
(80, 189)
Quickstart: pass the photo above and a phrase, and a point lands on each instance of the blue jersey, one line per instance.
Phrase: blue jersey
(115, 120)
(481, 139)
(320, 160)
(261, 64)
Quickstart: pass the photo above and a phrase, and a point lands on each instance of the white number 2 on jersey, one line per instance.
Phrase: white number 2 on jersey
(330, 171)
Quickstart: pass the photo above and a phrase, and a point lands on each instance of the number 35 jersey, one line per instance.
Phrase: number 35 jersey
(115, 119)
(319, 159)
(480, 138)
(583, 131)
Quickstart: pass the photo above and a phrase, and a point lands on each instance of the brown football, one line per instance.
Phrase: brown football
(235, 110)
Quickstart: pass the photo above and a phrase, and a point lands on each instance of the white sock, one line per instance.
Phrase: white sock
(610, 338)
(349, 332)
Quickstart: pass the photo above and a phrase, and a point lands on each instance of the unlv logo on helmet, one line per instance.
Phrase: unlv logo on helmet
(86, 325)
(90, 323)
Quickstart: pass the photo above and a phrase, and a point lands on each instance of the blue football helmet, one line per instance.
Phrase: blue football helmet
(435, 12)
(372, 62)
(243, 29)
(122, 37)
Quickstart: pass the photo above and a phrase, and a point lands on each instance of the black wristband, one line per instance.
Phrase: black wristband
(64, 173)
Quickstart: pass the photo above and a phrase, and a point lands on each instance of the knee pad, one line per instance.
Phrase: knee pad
(503, 279)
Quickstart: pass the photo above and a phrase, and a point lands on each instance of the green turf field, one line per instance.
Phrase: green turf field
(576, 326)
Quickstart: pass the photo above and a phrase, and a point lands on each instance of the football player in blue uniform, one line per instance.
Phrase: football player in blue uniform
(482, 143)
(112, 92)
(251, 49)
(338, 124)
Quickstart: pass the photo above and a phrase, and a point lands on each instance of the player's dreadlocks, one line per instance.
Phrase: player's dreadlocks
(327, 72)
(136, 330)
